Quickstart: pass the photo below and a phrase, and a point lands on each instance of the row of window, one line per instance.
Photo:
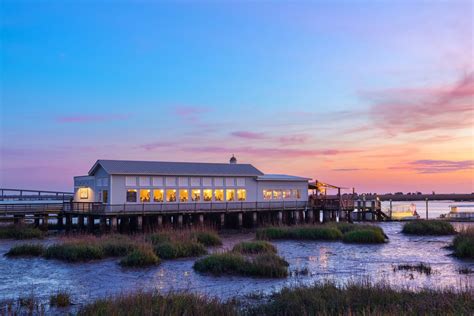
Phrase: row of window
(185, 195)
(281, 194)
(144, 181)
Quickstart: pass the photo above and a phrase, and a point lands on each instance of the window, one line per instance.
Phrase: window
(218, 182)
(105, 196)
(170, 181)
(158, 195)
(276, 194)
(230, 195)
(144, 196)
(131, 195)
(287, 194)
(130, 181)
(296, 194)
(240, 182)
(267, 194)
(207, 195)
(183, 195)
(84, 193)
(171, 195)
(195, 182)
(207, 182)
(229, 182)
(196, 195)
(157, 181)
(183, 181)
(241, 194)
(144, 181)
(219, 195)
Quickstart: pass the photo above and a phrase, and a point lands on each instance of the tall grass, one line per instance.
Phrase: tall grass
(254, 247)
(60, 299)
(185, 243)
(463, 244)
(364, 236)
(26, 250)
(140, 257)
(300, 232)
(154, 303)
(207, 238)
(20, 232)
(74, 252)
(428, 227)
(179, 249)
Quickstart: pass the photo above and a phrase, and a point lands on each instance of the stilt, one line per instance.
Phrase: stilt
(103, 223)
(19, 219)
(239, 219)
(280, 217)
(60, 221)
(201, 219)
(68, 222)
(113, 224)
(222, 220)
(310, 216)
(180, 220)
(296, 216)
(80, 221)
(159, 221)
(45, 221)
(321, 216)
(254, 219)
(139, 223)
(90, 223)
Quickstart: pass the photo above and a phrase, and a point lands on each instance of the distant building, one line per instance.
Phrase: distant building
(135, 182)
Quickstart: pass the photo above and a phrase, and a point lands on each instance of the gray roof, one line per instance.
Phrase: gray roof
(175, 168)
(281, 177)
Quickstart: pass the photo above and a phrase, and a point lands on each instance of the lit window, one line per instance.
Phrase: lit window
(219, 195)
(130, 181)
(171, 195)
(267, 194)
(144, 196)
(230, 195)
(276, 194)
(83, 193)
(297, 194)
(183, 195)
(207, 195)
(287, 194)
(196, 195)
(241, 194)
(131, 195)
(158, 195)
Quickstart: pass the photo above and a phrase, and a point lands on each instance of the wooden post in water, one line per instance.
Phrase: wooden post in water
(426, 208)
(390, 208)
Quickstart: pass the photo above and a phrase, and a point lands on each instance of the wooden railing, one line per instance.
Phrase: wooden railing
(33, 195)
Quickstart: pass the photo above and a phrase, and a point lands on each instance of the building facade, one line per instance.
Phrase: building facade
(155, 182)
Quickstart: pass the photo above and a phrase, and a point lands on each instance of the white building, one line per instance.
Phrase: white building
(156, 182)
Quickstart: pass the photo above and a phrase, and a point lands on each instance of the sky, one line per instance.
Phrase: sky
(376, 95)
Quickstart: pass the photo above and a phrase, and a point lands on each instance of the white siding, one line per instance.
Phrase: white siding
(144, 181)
(207, 182)
(218, 182)
(183, 181)
(170, 181)
(195, 182)
(240, 182)
(157, 181)
(130, 181)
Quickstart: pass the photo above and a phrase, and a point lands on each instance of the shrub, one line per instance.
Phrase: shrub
(302, 232)
(365, 236)
(26, 250)
(74, 252)
(153, 303)
(267, 265)
(60, 299)
(179, 249)
(222, 263)
(117, 246)
(141, 257)
(20, 232)
(463, 244)
(208, 238)
(254, 247)
(428, 227)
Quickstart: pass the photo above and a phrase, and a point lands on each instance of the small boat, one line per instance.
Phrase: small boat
(404, 212)
(463, 212)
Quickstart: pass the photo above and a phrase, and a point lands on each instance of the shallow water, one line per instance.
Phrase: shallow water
(325, 261)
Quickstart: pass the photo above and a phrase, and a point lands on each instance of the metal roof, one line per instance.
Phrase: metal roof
(175, 168)
(280, 177)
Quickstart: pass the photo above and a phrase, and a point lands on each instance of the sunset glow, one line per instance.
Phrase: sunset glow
(310, 89)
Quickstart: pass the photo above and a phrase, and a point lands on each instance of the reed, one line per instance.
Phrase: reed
(140, 257)
(20, 232)
(179, 249)
(300, 232)
(74, 252)
(428, 227)
(463, 244)
(26, 250)
(154, 303)
(60, 299)
(364, 236)
(254, 247)
(207, 238)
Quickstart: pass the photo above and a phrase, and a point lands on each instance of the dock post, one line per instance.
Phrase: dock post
(426, 208)
(321, 216)
(180, 220)
(68, 222)
(139, 223)
(296, 216)
(254, 219)
(240, 219)
(90, 223)
(60, 221)
(45, 221)
(280, 217)
(303, 216)
(310, 216)
(201, 219)
(113, 224)
(159, 221)
(103, 223)
(19, 219)
(37, 220)
(222, 220)
(80, 221)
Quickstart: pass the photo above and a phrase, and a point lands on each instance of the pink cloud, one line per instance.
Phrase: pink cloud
(436, 166)
(411, 110)
(157, 145)
(92, 118)
(190, 113)
(294, 139)
(248, 135)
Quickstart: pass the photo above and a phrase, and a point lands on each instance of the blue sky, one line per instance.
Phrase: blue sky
(309, 88)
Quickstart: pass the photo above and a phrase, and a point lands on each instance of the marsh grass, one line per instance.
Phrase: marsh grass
(318, 232)
(207, 238)
(463, 244)
(20, 232)
(420, 267)
(60, 299)
(364, 298)
(154, 303)
(428, 227)
(185, 243)
(465, 270)
(179, 249)
(267, 265)
(364, 236)
(140, 257)
(26, 250)
(254, 247)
